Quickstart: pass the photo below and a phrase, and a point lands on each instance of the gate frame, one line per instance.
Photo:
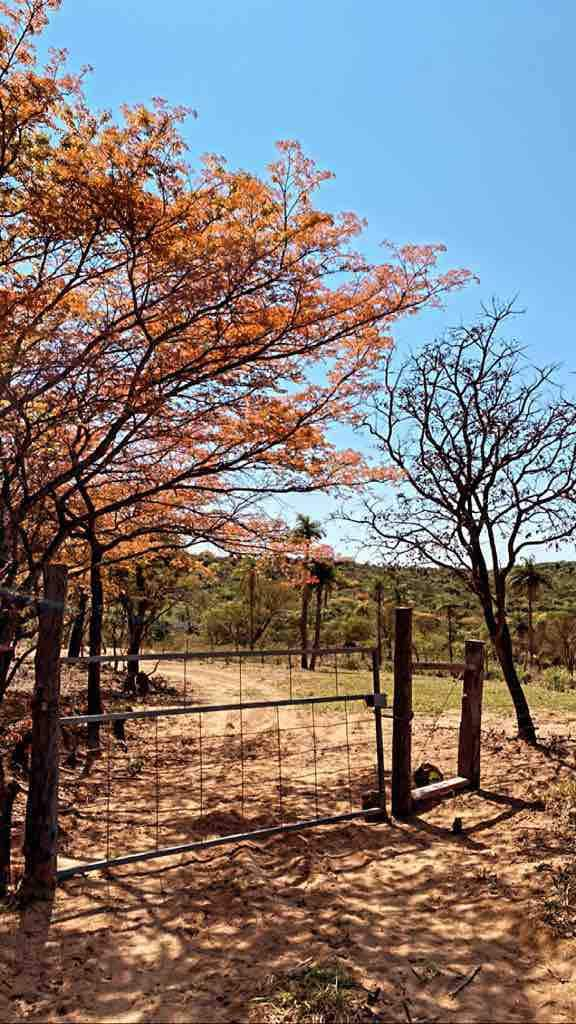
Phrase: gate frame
(374, 803)
(406, 800)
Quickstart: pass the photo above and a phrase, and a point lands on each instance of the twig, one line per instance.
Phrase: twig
(407, 1011)
(557, 977)
(467, 980)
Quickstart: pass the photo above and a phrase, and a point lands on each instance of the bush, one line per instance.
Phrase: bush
(314, 995)
(557, 679)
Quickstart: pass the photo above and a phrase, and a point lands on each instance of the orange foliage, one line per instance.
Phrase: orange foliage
(173, 342)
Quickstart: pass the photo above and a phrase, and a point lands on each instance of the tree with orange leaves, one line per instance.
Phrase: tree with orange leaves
(166, 331)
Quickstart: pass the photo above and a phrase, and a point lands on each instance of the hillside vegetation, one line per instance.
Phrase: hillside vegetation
(214, 610)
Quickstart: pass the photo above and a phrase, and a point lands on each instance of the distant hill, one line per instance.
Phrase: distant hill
(218, 611)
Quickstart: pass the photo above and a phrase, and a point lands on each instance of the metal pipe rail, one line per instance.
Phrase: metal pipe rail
(206, 844)
(200, 709)
(192, 655)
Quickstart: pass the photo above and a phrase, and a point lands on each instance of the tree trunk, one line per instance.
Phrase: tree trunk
(450, 645)
(503, 647)
(8, 622)
(6, 655)
(135, 609)
(134, 645)
(95, 644)
(306, 594)
(77, 631)
(530, 627)
(40, 843)
(251, 602)
(8, 793)
(502, 641)
(317, 626)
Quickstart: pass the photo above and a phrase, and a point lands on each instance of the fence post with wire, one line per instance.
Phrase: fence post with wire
(469, 742)
(402, 727)
(406, 799)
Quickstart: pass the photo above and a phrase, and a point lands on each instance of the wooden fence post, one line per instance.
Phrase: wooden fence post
(469, 743)
(40, 843)
(402, 728)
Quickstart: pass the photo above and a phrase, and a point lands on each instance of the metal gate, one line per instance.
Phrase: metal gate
(172, 779)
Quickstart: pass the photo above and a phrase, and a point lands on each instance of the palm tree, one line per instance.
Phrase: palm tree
(530, 578)
(306, 530)
(324, 575)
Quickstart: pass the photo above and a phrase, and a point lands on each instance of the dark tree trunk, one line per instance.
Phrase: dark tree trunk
(6, 655)
(20, 756)
(317, 626)
(252, 606)
(9, 614)
(77, 631)
(8, 629)
(531, 625)
(119, 730)
(502, 641)
(40, 843)
(136, 611)
(261, 629)
(95, 643)
(503, 647)
(450, 634)
(8, 793)
(306, 594)
(134, 645)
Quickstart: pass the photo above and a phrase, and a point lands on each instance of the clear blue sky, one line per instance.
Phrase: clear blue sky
(444, 122)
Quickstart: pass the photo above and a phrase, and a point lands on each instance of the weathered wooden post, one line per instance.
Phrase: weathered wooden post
(469, 743)
(402, 728)
(40, 843)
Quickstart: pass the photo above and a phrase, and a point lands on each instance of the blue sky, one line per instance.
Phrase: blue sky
(449, 122)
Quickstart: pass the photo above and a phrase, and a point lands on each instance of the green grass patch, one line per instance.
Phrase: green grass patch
(313, 995)
(431, 694)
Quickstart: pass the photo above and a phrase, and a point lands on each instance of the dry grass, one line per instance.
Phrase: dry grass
(310, 995)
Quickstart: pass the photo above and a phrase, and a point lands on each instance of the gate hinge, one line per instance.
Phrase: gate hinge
(376, 700)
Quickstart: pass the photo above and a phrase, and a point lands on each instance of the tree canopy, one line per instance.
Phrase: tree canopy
(169, 335)
(485, 450)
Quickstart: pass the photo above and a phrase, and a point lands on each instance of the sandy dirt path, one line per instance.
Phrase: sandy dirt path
(410, 910)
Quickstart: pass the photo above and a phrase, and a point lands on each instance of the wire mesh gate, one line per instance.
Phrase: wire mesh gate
(175, 779)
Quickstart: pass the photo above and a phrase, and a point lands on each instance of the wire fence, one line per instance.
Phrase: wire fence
(239, 743)
(190, 677)
(168, 780)
(225, 745)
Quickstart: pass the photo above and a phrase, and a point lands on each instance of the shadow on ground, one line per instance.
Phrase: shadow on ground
(436, 926)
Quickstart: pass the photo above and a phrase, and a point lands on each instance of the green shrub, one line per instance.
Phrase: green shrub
(557, 679)
(314, 995)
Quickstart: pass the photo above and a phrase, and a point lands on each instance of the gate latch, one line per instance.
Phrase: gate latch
(376, 700)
